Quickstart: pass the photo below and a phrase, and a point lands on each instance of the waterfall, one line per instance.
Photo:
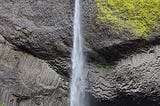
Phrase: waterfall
(77, 96)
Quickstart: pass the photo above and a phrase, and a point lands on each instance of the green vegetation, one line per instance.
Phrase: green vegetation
(108, 67)
(139, 17)
(2, 104)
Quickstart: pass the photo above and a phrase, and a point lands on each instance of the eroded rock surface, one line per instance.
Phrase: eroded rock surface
(133, 82)
(42, 28)
(28, 81)
(36, 32)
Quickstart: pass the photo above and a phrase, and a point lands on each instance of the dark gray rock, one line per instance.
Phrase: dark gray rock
(42, 28)
(28, 81)
(133, 82)
(43, 31)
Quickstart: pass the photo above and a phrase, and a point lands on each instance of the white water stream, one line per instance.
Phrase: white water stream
(77, 96)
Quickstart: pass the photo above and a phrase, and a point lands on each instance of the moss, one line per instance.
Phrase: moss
(2, 104)
(99, 65)
(140, 17)
(108, 67)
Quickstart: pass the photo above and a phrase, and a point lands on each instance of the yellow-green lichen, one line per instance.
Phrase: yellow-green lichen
(140, 17)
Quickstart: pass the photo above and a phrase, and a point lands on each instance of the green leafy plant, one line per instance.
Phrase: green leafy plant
(140, 17)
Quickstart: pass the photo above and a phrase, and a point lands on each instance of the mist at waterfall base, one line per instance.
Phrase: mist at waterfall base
(77, 88)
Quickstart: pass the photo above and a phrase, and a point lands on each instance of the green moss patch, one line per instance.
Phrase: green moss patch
(139, 17)
(2, 104)
(108, 67)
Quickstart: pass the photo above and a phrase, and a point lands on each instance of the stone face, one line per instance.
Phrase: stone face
(28, 81)
(35, 52)
(42, 28)
(134, 79)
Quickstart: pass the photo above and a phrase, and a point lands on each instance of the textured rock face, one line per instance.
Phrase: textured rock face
(133, 82)
(36, 32)
(40, 29)
(43, 28)
(28, 81)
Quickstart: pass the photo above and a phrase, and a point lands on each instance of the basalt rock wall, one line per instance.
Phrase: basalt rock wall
(35, 57)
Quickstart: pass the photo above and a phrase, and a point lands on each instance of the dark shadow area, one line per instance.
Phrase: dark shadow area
(124, 101)
(113, 53)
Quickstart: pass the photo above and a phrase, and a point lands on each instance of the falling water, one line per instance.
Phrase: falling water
(77, 82)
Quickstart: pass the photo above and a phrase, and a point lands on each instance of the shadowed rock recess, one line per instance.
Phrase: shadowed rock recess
(35, 52)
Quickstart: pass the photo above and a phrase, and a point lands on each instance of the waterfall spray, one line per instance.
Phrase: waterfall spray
(77, 83)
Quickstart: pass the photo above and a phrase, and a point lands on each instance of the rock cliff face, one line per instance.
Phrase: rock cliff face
(33, 33)
(134, 81)
(35, 51)
(28, 81)
(41, 28)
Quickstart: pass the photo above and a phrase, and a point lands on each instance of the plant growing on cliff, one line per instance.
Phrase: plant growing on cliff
(140, 17)
(108, 67)
(2, 104)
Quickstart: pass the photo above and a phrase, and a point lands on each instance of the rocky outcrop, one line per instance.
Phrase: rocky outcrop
(42, 28)
(35, 52)
(28, 81)
(34, 33)
(133, 82)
